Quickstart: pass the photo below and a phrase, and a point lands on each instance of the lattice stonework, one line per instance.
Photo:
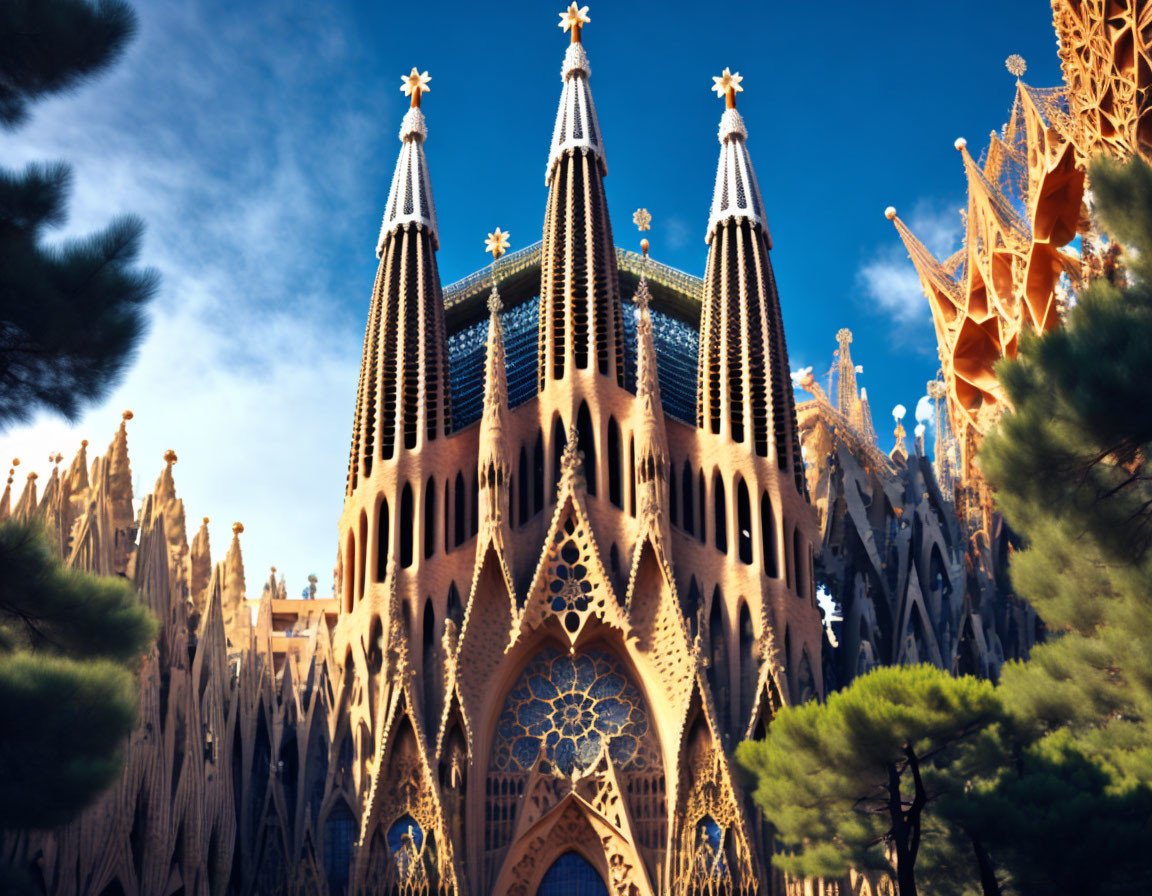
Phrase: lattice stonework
(1106, 59)
(569, 708)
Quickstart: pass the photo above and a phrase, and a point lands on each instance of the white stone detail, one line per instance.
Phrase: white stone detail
(737, 192)
(410, 198)
(577, 127)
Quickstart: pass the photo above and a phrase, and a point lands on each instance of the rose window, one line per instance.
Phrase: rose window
(568, 708)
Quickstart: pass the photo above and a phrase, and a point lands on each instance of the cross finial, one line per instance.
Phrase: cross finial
(497, 243)
(643, 221)
(1016, 65)
(727, 85)
(574, 17)
(414, 84)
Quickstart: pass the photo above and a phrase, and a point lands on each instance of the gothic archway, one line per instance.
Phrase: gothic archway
(572, 875)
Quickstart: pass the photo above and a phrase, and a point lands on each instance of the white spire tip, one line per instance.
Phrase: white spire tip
(890, 212)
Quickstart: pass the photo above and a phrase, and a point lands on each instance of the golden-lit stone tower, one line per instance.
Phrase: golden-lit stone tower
(557, 622)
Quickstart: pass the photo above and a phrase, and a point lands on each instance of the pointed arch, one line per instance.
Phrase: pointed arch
(559, 443)
(632, 475)
(743, 522)
(454, 609)
(447, 515)
(720, 512)
(572, 875)
(348, 570)
(586, 442)
(805, 680)
(673, 501)
(430, 664)
(404, 522)
(361, 555)
(460, 516)
(475, 507)
(383, 545)
(703, 502)
(689, 511)
(538, 473)
(799, 560)
(340, 830)
(748, 670)
(430, 517)
(768, 536)
(691, 606)
(615, 465)
(525, 505)
(719, 669)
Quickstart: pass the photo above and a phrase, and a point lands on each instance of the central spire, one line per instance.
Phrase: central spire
(737, 194)
(580, 318)
(404, 396)
(744, 389)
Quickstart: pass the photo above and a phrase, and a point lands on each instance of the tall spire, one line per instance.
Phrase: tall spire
(651, 437)
(580, 325)
(744, 386)
(403, 397)
(6, 498)
(494, 464)
(737, 193)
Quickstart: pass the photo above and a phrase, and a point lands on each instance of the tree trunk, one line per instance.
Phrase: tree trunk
(905, 870)
(901, 836)
(988, 883)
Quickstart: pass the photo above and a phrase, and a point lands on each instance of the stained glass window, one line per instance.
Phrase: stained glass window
(405, 838)
(568, 706)
(709, 858)
(339, 837)
(572, 875)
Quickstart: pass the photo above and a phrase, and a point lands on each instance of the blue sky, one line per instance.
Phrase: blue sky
(257, 141)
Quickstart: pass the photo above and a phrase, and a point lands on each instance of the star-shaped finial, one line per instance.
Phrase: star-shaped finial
(574, 17)
(414, 84)
(1016, 65)
(728, 85)
(642, 219)
(497, 243)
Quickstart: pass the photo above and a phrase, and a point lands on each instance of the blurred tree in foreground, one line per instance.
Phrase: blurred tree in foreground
(1043, 784)
(70, 317)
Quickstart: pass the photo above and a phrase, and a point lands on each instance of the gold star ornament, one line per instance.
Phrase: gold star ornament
(728, 85)
(414, 84)
(574, 17)
(497, 243)
(642, 219)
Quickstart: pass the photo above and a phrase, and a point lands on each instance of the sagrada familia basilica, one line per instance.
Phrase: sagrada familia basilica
(583, 533)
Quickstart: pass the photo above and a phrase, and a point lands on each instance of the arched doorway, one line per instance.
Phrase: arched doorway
(572, 875)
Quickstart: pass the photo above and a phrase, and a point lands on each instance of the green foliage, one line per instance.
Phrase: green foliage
(71, 315)
(837, 780)
(1059, 821)
(51, 46)
(70, 645)
(73, 720)
(1069, 808)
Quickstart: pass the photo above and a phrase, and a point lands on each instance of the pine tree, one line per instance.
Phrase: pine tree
(845, 781)
(70, 317)
(1072, 473)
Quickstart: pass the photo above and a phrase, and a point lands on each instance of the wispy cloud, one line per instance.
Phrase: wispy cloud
(888, 279)
(258, 205)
